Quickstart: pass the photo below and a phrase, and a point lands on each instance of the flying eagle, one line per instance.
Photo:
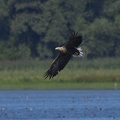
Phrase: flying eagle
(69, 49)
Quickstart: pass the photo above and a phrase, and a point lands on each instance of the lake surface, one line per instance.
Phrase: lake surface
(60, 105)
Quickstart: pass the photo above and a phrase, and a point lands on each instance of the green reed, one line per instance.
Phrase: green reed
(28, 74)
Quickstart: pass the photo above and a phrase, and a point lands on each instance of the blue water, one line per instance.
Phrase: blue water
(60, 105)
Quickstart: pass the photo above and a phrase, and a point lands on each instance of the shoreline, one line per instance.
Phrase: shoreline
(61, 86)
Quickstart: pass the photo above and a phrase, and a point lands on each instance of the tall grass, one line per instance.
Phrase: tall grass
(29, 73)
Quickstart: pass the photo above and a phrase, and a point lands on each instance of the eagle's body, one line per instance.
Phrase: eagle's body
(66, 52)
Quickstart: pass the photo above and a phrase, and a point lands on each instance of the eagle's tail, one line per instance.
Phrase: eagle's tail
(80, 52)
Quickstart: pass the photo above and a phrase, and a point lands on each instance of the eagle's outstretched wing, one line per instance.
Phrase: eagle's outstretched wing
(74, 40)
(58, 64)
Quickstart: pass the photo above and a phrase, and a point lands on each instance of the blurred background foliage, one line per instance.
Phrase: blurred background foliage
(33, 28)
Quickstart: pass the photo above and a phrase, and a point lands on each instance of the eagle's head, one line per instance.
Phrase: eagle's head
(61, 49)
(58, 48)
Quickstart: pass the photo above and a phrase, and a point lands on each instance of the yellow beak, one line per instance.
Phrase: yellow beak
(56, 48)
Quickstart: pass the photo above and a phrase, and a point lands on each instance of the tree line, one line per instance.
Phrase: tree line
(33, 28)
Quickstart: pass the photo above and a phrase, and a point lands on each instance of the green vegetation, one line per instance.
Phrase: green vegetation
(79, 74)
(33, 28)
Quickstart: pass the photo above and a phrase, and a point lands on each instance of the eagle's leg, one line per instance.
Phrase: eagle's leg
(74, 51)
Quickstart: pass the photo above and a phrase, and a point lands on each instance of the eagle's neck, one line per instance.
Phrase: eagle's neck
(61, 49)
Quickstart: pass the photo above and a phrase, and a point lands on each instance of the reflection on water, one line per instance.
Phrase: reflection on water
(60, 105)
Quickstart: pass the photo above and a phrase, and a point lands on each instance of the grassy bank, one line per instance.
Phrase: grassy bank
(78, 74)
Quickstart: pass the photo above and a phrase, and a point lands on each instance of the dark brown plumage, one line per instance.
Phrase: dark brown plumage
(66, 52)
